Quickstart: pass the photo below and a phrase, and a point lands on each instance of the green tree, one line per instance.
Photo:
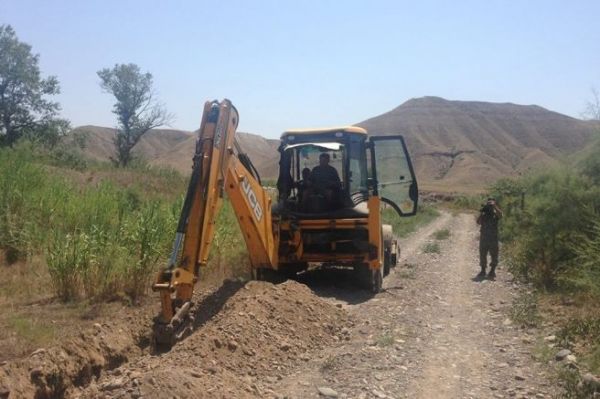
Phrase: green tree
(136, 108)
(590, 164)
(24, 108)
(592, 107)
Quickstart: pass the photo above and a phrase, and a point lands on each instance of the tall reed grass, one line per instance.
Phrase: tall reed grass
(99, 240)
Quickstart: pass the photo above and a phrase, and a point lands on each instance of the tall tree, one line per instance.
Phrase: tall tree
(136, 108)
(592, 108)
(24, 109)
(590, 164)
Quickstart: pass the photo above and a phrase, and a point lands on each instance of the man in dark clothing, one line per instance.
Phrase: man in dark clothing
(489, 215)
(325, 179)
(304, 185)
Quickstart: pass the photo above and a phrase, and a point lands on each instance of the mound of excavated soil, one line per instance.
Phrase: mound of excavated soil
(246, 337)
(260, 331)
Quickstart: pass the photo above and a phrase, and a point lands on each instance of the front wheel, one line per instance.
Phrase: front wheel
(387, 262)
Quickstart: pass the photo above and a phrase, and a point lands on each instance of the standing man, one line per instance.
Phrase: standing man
(489, 215)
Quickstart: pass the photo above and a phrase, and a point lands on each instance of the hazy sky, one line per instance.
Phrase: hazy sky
(315, 63)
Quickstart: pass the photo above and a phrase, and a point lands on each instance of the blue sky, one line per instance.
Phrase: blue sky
(315, 63)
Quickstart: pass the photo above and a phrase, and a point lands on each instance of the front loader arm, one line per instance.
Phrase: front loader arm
(216, 168)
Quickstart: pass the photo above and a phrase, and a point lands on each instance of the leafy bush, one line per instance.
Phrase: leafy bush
(550, 237)
(587, 250)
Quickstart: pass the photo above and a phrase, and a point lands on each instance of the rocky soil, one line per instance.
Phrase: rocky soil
(433, 332)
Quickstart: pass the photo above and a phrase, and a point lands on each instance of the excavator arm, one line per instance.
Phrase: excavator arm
(219, 166)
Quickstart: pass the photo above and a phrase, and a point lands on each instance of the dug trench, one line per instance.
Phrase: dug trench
(245, 333)
(432, 333)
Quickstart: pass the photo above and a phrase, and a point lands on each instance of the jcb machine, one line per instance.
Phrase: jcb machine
(332, 186)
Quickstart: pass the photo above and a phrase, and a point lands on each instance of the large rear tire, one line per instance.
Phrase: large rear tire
(370, 280)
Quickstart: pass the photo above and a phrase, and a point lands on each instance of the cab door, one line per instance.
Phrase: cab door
(393, 174)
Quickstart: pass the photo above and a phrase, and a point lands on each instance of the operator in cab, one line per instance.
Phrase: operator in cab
(326, 180)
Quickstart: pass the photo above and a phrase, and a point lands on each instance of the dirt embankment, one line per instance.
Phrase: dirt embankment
(55, 372)
(247, 336)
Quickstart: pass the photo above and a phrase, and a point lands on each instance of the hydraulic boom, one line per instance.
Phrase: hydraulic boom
(218, 166)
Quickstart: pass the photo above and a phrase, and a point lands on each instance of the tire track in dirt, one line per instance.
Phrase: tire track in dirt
(410, 245)
(455, 362)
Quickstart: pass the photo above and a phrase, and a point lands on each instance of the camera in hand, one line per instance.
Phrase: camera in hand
(487, 209)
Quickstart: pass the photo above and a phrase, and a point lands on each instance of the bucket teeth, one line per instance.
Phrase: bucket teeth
(165, 335)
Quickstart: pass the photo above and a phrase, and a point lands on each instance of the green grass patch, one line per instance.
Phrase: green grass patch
(586, 328)
(104, 233)
(386, 339)
(467, 202)
(32, 331)
(592, 360)
(569, 379)
(431, 248)
(402, 227)
(525, 311)
(408, 273)
(585, 332)
(442, 234)
(229, 255)
(542, 352)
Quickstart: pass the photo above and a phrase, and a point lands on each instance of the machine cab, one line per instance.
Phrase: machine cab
(331, 173)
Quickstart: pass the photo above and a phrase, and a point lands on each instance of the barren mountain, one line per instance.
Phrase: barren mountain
(175, 148)
(99, 142)
(466, 145)
(455, 145)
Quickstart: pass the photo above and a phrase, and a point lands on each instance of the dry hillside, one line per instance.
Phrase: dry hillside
(175, 148)
(468, 144)
(455, 145)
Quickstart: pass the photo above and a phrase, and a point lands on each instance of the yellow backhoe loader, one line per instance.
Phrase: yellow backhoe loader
(331, 187)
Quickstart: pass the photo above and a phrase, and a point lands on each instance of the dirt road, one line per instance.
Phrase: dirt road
(432, 333)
